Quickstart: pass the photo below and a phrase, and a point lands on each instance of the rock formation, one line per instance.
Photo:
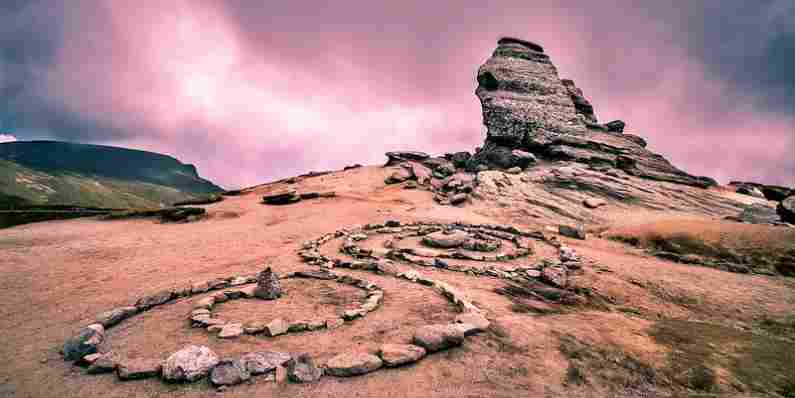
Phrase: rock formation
(526, 106)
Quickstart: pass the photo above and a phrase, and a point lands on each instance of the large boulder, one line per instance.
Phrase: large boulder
(352, 364)
(616, 126)
(776, 193)
(268, 286)
(438, 337)
(786, 209)
(84, 343)
(189, 364)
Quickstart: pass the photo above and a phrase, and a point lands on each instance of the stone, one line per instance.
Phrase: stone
(116, 315)
(438, 337)
(316, 195)
(400, 354)
(592, 203)
(268, 286)
(189, 364)
(478, 322)
(444, 240)
(421, 173)
(616, 126)
(280, 375)
(106, 363)
(397, 176)
(316, 274)
(277, 327)
(215, 328)
(458, 199)
(205, 303)
(297, 326)
(248, 291)
(315, 324)
(352, 364)
(786, 209)
(84, 343)
(161, 297)
(229, 372)
(334, 323)
(262, 362)
(555, 275)
(231, 331)
(281, 198)
(136, 369)
(514, 170)
(303, 370)
(401, 156)
(569, 231)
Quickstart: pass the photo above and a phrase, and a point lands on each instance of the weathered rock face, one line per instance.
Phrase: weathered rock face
(527, 106)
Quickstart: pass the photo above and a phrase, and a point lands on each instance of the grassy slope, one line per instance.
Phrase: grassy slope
(19, 183)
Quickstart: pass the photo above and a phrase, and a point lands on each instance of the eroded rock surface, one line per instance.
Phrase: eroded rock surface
(527, 106)
(189, 364)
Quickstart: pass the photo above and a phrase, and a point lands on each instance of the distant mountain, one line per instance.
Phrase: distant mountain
(61, 173)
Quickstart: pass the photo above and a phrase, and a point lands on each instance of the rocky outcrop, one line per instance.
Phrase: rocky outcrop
(526, 106)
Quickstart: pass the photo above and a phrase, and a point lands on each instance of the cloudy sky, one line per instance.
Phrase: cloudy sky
(250, 90)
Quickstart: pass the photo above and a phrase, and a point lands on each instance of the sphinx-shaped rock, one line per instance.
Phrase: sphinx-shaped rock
(527, 106)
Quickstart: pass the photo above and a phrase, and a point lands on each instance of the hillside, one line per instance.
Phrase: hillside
(59, 173)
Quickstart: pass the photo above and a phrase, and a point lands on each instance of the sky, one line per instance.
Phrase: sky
(252, 90)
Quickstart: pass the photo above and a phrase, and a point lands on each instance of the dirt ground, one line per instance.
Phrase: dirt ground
(56, 276)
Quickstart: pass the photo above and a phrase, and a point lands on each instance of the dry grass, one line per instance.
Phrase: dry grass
(713, 358)
(761, 248)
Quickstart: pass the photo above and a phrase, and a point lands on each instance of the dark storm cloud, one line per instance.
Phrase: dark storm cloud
(250, 90)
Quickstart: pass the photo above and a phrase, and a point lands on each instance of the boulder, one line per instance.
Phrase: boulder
(136, 369)
(116, 315)
(268, 286)
(514, 170)
(616, 126)
(229, 372)
(422, 174)
(281, 198)
(84, 343)
(400, 354)
(334, 323)
(786, 209)
(776, 193)
(262, 362)
(438, 337)
(303, 370)
(575, 232)
(444, 240)
(352, 364)
(189, 364)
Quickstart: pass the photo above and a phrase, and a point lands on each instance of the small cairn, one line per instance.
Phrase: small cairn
(268, 286)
